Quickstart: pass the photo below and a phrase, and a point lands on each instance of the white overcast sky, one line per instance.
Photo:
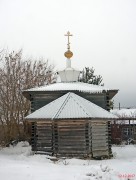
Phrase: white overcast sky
(104, 37)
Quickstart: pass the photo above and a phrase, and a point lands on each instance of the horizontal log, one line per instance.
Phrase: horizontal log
(75, 134)
(101, 149)
(99, 130)
(77, 130)
(48, 132)
(99, 122)
(71, 152)
(99, 138)
(72, 141)
(70, 129)
(41, 144)
(43, 152)
(40, 123)
(46, 123)
(44, 128)
(70, 137)
(44, 131)
(64, 143)
(100, 134)
(99, 146)
(100, 153)
(67, 148)
(70, 122)
(67, 139)
(44, 149)
(46, 140)
(99, 141)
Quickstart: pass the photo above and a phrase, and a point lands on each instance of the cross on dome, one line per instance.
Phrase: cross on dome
(68, 35)
(68, 54)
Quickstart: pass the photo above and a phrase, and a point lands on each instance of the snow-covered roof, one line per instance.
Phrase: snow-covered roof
(69, 106)
(71, 86)
(124, 113)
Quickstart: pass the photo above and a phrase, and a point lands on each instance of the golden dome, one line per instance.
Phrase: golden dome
(68, 54)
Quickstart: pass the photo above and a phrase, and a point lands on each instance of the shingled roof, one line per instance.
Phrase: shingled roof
(70, 106)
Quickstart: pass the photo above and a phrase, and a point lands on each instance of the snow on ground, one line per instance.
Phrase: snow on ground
(18, 163)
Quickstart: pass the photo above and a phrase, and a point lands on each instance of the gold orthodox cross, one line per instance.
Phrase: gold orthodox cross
(68, 35)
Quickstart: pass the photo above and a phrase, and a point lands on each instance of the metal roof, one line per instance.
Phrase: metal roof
(69, 106)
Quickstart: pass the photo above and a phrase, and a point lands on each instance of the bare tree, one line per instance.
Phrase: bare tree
(16, 75)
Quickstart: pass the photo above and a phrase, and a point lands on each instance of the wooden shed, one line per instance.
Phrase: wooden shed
(71, 126)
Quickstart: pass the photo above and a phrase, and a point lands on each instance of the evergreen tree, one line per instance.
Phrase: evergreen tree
(88, 76)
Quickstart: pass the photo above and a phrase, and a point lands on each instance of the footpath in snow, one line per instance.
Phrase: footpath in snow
(18, 163)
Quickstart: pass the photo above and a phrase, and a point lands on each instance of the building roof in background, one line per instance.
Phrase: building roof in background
(70, 106)
(124, 113)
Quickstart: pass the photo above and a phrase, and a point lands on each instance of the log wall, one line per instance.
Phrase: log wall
(40, 99)
(71, 138)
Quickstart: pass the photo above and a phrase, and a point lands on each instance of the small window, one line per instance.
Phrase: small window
(127, 131)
